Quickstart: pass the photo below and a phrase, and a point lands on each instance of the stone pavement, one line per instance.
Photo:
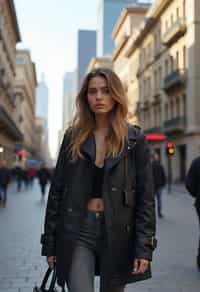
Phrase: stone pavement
(174, 265)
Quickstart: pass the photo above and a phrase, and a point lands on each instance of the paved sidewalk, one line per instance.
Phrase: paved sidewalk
(174, 265)
(21, 265)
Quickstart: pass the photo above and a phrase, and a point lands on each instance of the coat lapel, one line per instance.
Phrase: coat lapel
(89, 149)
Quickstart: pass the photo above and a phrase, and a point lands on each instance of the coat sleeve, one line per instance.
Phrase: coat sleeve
(192, 180)
(145, 226)
(48, 238)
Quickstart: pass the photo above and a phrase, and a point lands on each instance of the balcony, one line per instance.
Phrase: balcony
(175, 79)
(175, 125)
(153, 130)
(8, 125)
(177, 30)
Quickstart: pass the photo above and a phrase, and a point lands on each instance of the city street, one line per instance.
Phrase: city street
(174, 266)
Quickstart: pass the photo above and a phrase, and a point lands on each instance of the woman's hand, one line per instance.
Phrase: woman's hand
(51, 261)
(140, 266)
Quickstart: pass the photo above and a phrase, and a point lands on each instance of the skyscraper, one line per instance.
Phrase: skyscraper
(42, 104)
(67, 98)
(86, 50)
(108, 13)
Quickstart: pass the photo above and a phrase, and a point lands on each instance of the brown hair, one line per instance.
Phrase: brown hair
(83, 123)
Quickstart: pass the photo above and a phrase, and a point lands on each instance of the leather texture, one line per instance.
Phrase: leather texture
(130, 224)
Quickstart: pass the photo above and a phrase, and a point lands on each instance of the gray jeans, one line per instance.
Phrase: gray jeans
(90, 243)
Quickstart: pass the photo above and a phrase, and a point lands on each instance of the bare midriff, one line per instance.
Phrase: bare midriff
(95, 204)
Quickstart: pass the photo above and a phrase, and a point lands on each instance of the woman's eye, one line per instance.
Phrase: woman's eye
(91, 92)
(105, 90)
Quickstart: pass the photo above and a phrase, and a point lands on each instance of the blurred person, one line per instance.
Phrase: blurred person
(192, 184)
(19, 177)
(159, 181)
(43, 176)
(25, 177)
(4, 181)
(31, 175)
(100, 216)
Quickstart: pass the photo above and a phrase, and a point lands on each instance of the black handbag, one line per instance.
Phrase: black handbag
(45, 280)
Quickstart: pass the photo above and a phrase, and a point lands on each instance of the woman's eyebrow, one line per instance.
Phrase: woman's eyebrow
(102, 87)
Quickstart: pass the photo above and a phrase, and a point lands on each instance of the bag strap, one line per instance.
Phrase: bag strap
(46, 277)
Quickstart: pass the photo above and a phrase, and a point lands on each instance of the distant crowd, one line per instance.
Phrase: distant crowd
(24, 178)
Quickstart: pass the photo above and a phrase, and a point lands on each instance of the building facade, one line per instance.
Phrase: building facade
(97, 62)
(127, 25)
(86, 51)
(108, 13)
(167, 48)
(25, 91)
(10, 133)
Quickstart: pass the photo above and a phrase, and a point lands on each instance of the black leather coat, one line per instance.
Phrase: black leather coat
(129, 207)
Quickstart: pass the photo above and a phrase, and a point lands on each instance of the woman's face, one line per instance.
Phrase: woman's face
(99, 98)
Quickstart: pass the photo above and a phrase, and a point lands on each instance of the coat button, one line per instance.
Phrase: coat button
(113, 189)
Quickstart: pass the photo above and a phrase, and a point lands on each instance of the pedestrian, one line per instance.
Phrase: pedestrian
(19, 177)
(4, 181)
(100, 216)
(31, 176)
(159, 181)
(192, 183)
(43, 176)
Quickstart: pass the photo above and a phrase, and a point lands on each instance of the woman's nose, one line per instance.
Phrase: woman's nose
(99, 94)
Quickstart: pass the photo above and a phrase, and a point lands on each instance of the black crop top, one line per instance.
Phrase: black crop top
(97, 181)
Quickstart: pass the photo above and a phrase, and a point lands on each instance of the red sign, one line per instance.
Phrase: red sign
(155, 137)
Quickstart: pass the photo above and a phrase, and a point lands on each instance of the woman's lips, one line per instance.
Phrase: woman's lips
(99, 105)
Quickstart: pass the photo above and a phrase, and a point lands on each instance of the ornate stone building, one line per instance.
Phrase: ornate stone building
(10, 133)
(164, 64)
(25, 92)
(126, 26)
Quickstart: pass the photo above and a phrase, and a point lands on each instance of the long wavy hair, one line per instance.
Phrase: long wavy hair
(84, 123)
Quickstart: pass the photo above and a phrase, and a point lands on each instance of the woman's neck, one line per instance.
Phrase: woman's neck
(102, 124)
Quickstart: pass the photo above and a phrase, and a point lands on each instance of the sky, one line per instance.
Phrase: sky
(49, 30)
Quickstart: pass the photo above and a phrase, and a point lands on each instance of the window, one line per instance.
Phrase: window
(172, 18)
(177, 107)
(166, 112)
(159, 37)
(184, 15)
(20, 60)
(160, 76)
(171, 63)
(144, 88)
(184, 57)
(155, 80)
(166, 67)
(155, 43)
(166, 25)
(149, 52)
(177, 12)
(177, 59)
(184, 104)
(172, 109)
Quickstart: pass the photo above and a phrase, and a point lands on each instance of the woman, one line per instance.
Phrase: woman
(100, 215)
